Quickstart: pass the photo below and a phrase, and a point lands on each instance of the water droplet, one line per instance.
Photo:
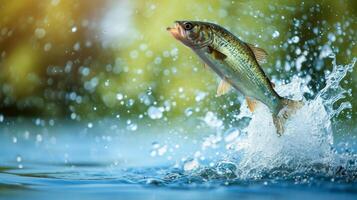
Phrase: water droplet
(197, 154)
(134, 54)
(231, 135)
(119, 96)
(158, 60)
(212, 120)
(162, 150)
(85, 71)
(295, 39)
(155, 145)
(211, 141)
(200, 96)
(90, 125)
(331, 37)
(51, 122)
(143, 47)
(174, 52)
(188, 112)
(47, 46)
(155, 112)
(132, 127)
(74, 29)
(39, 138)
(40, 33)
(27, 135)
(276, 34)
(190, 165)
(77, 46)
(107, 83)
(73, 116)
(153, 153)
(166, 53)
(299, 62)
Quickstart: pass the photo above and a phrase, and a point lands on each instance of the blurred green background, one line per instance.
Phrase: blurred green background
(78, 59)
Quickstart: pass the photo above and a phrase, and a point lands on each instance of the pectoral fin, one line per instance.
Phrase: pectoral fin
(259, 53)
(223, 87)
(205, 66)
(216, 54)
(251, 104)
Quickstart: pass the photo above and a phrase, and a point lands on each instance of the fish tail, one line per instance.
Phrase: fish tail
(286, 108)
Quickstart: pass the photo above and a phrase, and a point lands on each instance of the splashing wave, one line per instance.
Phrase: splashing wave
(307, 144)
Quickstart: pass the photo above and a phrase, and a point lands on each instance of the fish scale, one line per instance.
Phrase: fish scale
(238, 53)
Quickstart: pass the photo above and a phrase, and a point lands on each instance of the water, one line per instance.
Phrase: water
(197, 158)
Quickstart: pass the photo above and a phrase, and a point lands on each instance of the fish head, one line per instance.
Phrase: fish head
(193, 34)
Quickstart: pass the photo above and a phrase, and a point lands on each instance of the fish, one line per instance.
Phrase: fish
(238, 64)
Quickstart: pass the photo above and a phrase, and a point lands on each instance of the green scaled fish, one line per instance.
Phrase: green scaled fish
(238, 65)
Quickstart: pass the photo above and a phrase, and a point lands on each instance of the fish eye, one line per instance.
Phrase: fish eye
(187, 26)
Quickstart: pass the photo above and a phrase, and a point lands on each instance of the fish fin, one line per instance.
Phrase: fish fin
(205, 66)
(223, 87)
(259, 53)
(279, 124)
(287, 108)
(216, 54)
(251, 104)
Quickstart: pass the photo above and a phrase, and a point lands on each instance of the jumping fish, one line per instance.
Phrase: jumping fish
(237, 63)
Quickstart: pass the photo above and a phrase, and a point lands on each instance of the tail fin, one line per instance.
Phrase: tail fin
(286, 109)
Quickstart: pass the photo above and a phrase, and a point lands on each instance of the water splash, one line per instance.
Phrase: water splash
(307, 142)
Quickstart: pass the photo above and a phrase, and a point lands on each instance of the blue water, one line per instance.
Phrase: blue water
(72, 161)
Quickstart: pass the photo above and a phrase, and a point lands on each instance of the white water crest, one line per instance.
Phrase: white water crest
(308, 137)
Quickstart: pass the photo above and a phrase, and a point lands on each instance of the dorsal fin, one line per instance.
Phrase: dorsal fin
(251, 104)
(223, 87)
(259, 53)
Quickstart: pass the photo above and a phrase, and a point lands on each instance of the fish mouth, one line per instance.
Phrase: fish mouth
(179, 33)
(176, 31)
